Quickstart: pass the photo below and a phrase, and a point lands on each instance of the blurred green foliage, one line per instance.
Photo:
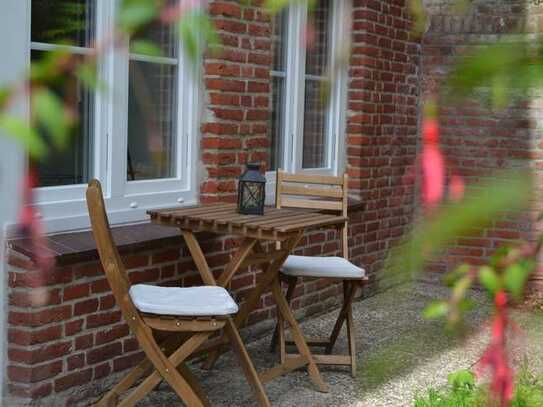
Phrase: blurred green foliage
(463, 391)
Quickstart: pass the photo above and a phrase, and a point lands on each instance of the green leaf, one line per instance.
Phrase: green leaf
(436, 309)
(19, 130)
(197, 31)
(145, 47)
(136, 13)
(275, 6)
(516, 275)
(452, 277)
(489, 279)
(5, 93)
(50, 113)
(461, 378)
(88, 75)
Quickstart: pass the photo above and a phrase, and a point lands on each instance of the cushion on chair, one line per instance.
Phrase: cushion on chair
(184, 301)
(332, 267)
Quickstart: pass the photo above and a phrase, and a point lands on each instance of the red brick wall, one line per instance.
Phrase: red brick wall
(476, 139)
(382, 124)
(64, 350)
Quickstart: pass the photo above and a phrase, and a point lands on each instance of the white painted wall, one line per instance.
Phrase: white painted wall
(13, 63)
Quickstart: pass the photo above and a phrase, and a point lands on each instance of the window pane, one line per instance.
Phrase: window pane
(314, 126)
(278, 83)
(61, 21)
(152, 107)
(72, 165)
(276, 148)
(317, 56)
(163, 36)
(279, 37)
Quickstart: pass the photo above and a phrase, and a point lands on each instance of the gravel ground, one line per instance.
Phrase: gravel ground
(400, 355)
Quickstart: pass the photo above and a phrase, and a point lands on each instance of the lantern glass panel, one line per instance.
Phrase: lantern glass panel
(251, 194)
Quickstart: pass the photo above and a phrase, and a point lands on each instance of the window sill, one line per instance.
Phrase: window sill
(74, 247)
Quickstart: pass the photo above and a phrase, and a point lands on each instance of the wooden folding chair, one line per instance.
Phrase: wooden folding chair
(188, 316)
(328, 194)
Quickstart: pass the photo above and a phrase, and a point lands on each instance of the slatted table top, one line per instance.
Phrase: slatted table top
(275, 224)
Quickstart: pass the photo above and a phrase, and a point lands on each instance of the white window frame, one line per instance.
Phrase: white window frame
(294, 96)
(63, 208)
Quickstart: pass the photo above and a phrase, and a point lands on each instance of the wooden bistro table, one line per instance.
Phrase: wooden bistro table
(276, 225)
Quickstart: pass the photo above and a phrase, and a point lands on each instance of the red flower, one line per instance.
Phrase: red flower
(433, 165)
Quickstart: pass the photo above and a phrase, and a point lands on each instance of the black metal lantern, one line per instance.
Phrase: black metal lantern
(251, 191)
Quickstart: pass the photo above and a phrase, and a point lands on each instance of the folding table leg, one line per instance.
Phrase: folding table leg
(290, 292)
(246, 363)
(298, 337)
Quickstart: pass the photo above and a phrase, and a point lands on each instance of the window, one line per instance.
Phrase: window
(137, 136)
(306, 133)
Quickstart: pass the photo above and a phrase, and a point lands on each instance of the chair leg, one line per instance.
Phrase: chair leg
(350, 330)
(348, 294)
(111, 397)
(166, 368)
(292, 281)
(194, 383)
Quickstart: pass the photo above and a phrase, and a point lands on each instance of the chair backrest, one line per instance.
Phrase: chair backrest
(314, 192)
(109, 255)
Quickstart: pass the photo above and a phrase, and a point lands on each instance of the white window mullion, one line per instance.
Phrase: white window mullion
(295, 89)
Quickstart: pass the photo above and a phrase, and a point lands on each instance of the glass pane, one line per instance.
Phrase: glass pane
(276, 129)
(279, 37)
(63, 21)
(314, 154)
(152, 107)
(317, 56)
(72, 165)
(162, 35)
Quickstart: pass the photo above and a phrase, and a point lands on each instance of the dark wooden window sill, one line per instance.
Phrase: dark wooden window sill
(74, 247)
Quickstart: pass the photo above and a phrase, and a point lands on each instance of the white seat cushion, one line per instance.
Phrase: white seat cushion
(184, 301)
(331, 267)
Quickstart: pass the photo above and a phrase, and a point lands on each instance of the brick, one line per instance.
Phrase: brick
(136, 261)
(75, 361)
(104, 353)
(84, 341)
(42, 354)
(32, 392)
(39, 318)
(109, 335)
(27, 299)
(33, 337)
(73, 327)
(225, 9)
(88, 270)
(35, 373)
(165, 256)
(76, 291)
(144, 276)
(107, 302)
(40, 278)
(101, 370)
(104, 318)
(78, 378)
(100, 286)
(86, 307)
(126, 362)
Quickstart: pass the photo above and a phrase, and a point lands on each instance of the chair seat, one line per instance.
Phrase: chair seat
(331, 267)
(183, 301)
